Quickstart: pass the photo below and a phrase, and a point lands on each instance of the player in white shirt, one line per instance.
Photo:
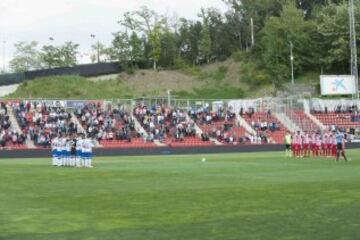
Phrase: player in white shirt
(54, 150)
(87, 152)
(79, 143)
(59, 152)
(63, 151)
(68, 151)
(72, 143)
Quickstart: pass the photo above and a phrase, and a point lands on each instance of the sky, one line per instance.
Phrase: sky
(76, 20)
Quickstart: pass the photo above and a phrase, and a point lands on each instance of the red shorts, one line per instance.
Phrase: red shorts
(296, 147)
(323, 146)
(306, 146)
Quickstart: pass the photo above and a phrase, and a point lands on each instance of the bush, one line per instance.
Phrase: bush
(180, 64)
(220, 74)
(253, 74)
(222, 92)
(130, 70)
(240, 56)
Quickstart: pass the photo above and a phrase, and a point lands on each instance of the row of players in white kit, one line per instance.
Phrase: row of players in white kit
(72, 152)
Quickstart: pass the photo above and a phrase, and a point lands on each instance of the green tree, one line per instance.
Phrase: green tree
(169, 49)
(309, 5)
(136, 48)
(120, 49)
(205, 43)
(258, 10)
(277, 34)
(189, 35)
(59, 56)
(99, 52)
(68, 53)
(26, 57)
(333, 28)
(155, 42)
(50, 56)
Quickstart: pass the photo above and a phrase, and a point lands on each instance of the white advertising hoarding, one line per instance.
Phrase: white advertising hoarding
(337, 85)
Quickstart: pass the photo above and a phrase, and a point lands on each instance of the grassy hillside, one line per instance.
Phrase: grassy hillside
(71, 87)
(221, 80)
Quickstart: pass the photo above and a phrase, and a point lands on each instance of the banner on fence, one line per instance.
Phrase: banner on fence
(337, 85)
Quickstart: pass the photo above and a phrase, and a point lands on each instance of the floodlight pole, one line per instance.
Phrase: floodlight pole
(292, 67)
(97, 48)
(98, 51)
(353, 47)
(252, 32)
(4, 56)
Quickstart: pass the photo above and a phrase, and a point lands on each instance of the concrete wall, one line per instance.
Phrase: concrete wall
(45, 153)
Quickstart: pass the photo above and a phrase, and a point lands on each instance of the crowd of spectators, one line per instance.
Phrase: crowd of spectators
(7, 134)
(224, 132)
(338, 109)
(342, 112)
(163, 122)
(107, 123)
(43, 121)
(262, 125)
(205, 116)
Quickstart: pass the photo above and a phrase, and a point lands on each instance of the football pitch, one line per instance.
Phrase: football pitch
(230, 196)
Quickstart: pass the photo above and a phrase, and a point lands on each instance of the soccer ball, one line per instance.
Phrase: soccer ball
(203, 160)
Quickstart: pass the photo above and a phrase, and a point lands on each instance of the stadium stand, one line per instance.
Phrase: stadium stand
(9, 138)
(341, 120)
(40, 122)
(302, 120)
(127, 125)
(221, 125)
(267, 126)
(340, 114)
(169, 126)
(112, 127)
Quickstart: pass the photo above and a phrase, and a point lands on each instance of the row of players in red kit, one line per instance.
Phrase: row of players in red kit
(312, 144)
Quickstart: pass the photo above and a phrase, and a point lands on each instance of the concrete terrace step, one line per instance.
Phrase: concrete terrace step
(16, 127)
(81, 129)
(287, 122)
(75, 120)
(139, 128)
(245, 124)
(316, 121)
(199, 131)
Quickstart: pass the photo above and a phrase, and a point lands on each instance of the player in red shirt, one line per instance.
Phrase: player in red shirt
(313, 144)
(329, 145)
(324, 142)
(318, 143)
(297, 144)
(333, 145)
(307, 143)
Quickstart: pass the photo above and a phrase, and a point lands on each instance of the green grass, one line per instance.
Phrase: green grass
(73, 87)
(223, 91)
(231, 196)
